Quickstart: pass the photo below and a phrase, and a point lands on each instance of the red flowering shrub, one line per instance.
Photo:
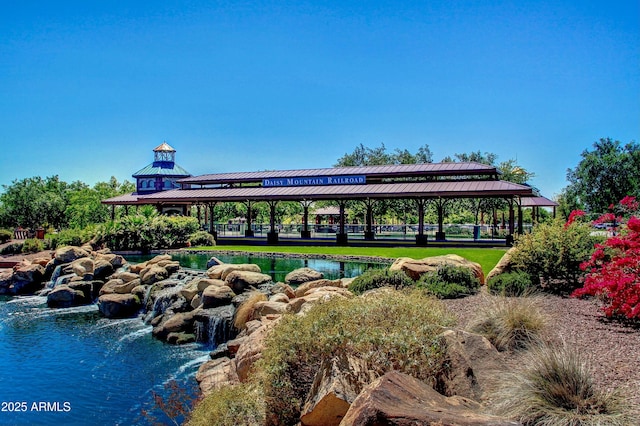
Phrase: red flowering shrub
(613, 271)
(573, 216)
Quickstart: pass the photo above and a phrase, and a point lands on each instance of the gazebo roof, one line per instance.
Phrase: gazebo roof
(162, 168)
(165, 147)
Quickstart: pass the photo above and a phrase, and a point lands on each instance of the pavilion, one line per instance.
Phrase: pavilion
(423, 183)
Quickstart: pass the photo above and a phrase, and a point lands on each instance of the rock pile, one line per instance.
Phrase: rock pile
(395, 398)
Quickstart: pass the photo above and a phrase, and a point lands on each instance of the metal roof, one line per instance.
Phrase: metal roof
(449, 189)
(537, 202)
(386, 171)
(164, 146)
(162, 168)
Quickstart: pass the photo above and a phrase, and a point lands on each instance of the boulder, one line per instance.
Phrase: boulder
(282, 288)
(119, 305)
(335, 386)
(203, 283)
(279, 297)
(159, 258)
(503, 266)
(302, 289)
(180, 322)
(302, 275)
(42, 261)
(24, 280)
(416, 268)
(399, 399)
(214, 296)
(83, 266)
(473, 366)
(126, 276)
(215, 374)
(264, 308)
(102, 269)
(153, 274)
(250, 350)
(68, 254)
(64, 296)
(220, 272)
(239, 281)
(189, 291)
(119, 286)
(214, 261)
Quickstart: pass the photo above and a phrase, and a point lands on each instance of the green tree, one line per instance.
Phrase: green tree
(606, 175)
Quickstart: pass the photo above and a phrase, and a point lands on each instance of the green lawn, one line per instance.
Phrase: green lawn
(486, 257)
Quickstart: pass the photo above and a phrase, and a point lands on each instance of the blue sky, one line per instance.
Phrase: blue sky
(88, 89)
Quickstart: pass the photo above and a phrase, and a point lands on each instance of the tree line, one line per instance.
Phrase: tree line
(603, 176)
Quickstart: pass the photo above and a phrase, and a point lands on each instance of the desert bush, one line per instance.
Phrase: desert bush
(376, 278)
(230, 406)
(449, 282)
(32, 245)
(387, 330)
(244, 313)
(552, 253)
(517, 283)
(555, 387)
(201, 238)
(511, 323)
(5, 235)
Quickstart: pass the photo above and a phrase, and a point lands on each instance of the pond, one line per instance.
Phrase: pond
(277, 267)
(74, 367)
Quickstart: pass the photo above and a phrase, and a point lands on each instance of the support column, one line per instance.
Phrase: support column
(369, 234)
(342, 237)
(305, 233)
(212, 229)
(113, 211)
(512, 223)
(520, 224)
(272, 235)
(248, 232)
(440, 204)
(421, 238)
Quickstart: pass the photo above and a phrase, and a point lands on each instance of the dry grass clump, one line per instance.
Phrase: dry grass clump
(511, 323)
(244, 313)
(556, 388)
(230, 406)
(392, 330)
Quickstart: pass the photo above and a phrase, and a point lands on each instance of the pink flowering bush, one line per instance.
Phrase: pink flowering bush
(613, 271)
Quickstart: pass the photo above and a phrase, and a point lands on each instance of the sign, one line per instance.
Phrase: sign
(315, 181)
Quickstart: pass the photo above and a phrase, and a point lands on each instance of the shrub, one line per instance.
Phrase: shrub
(32, 245)
(244, 313)
(13, 248)
(555, 387)
(517, 283)
(230, 405)
(386, 331)
(552, 253)
(376, 278)
(511, 323)
(70, 237)
(201, 238)
(5, 235)
(614, 273)
(449, 282)
(145, 232)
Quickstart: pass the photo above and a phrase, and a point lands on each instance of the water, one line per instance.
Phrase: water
(277, 267)
(94, 370)
(89, 370)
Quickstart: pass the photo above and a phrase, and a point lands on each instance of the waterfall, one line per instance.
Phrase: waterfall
(214, 326)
